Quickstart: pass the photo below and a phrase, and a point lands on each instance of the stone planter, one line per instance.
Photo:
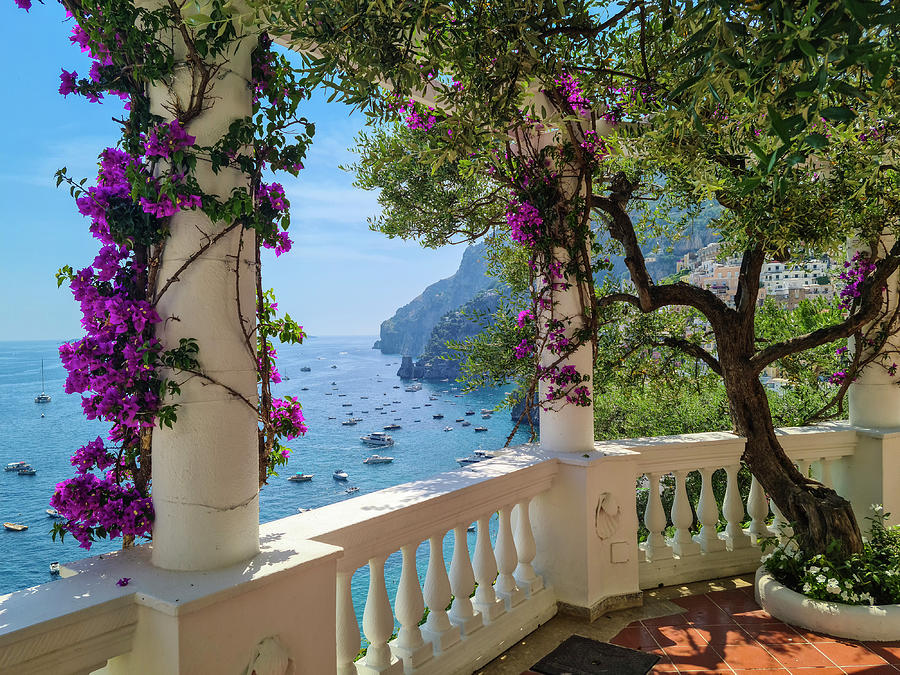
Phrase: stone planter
(859, 622)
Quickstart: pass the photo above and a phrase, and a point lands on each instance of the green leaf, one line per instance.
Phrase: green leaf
(837, 114)
(816, 140)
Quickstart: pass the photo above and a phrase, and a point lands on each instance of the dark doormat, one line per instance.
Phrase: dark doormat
(582, 656)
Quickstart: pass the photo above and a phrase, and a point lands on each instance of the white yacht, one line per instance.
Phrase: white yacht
(414, 387)
(15, 466)
(377, 438)
(378, 459)
(340, 474)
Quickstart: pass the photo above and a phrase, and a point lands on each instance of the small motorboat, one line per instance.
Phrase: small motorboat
(15, 527)
(27, 470)
(305, 369)
(301, 477)
(351, 490)
(486, 416)
(378, 459)
(392, 427)
(396, 386)
(53, 513)
(486, 411)
(303, 510)
(459, 419)
(54, 567)
(480, 428)
(471, 459)
(349, 423)
(340, 474)
(466, 424)
(470, 412)
(304, 388)
(15, 466)
(470, 528)
(448, 428)
(439, 416)
(334, 367)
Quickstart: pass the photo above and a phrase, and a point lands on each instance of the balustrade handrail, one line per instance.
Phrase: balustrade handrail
(379, 523)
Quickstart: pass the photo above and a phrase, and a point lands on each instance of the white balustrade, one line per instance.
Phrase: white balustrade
(733, 510)
(826, 474)
(485, 566)
(410, 607)
(507, 560)
(803, 467)
(378, 624)
(347, 626)
(655, 547)
(758, 509)
(780, 527)
(525, 576)
(708, 512)
(437, 629)
(682, 517)
(462, 585)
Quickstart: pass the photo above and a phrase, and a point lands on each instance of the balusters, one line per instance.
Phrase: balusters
(506, 561)
(827, 474)
(485, 567)
(683, 518)
(758, 508)
(733, 509)
(803, 467)
(655, 547)
(462, 583)
(708, 512)
(378, 624)
(437, 629)
(347, 626)
(410, 607)
(526, 579)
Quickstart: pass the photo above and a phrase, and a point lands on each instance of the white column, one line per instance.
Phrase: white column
(525, 576)
(827, 478)
(708, 512)
(656, 546)
(437, 629)
(347, 626)
(205, 468)
(758, 508)
(567, 427)
(733, 510)
(505, 550)
(378, 624)
(485, 567)
(462, 585)
(410, 608)
(682, 518)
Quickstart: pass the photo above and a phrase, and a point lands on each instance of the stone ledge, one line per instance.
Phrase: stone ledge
(598, 609)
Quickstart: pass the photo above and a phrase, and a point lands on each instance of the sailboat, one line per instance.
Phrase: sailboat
(42, 397)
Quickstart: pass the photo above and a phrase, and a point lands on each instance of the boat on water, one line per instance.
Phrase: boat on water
(305, 369)
(486, 411)
(470, 412)
(486, 416)
(15, 527)
(351, 490)
(53, 513)
(27, 470)
(448, 428)
(43, 397)
(54, 567)
(15, 466)
(460, 419)
(377, 438)
(480, 428)
(301, 477)
(466, 424)
(471, 459)
(414, 387)
(470, 528)
(439, 416)
(304, 388)
(433, 398)
(340, 474)
(335, 367)
(378, 459)
(396, 386)
(348, 423)
(392, 427)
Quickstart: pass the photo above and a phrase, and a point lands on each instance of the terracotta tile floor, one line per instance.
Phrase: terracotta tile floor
(727, 632)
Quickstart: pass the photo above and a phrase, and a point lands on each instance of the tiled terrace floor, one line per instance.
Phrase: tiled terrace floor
(708, 627)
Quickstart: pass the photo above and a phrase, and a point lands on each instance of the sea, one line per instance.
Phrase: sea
(346, 378)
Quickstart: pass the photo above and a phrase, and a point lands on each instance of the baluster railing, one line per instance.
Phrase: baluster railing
(758, 508)
(655, 547)
(347, 626)
(437, 629)
(485, 566)
(827, 478)
(708, 513)
(462, 584)
(525, 576)
(682, 517)
(378, 624)
(506, 561)
(733, 510)
(410, 606)
(780, 527)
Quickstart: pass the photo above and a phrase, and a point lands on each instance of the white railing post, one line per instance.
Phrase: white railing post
(410, 607)
(758, 508)
(347, 626)
(437, 629)
(525, 576)
(656, 546)
(506, 561)
(827, 476)
(708, 512)
(734, 511)
(462, 585)
(485, 566)
(378, 624)
(683, 518)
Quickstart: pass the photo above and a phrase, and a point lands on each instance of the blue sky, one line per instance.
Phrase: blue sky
(339, 279)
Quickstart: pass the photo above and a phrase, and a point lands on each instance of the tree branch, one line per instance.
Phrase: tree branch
(695, 350)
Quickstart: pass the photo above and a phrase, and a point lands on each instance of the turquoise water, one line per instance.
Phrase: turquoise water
(364, 379)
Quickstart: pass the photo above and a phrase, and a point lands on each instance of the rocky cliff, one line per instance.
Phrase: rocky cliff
(408, 331)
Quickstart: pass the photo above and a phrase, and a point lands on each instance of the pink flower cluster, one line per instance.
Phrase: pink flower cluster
(855, 273)
(287, 417)
(575, 97)
(525, 223)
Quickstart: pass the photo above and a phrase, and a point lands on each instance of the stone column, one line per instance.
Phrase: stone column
(205, 469)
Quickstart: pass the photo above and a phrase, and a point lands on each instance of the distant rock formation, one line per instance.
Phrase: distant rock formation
(408, 331)
(533, 414)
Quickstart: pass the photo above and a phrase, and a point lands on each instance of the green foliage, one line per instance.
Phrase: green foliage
(868, 578)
